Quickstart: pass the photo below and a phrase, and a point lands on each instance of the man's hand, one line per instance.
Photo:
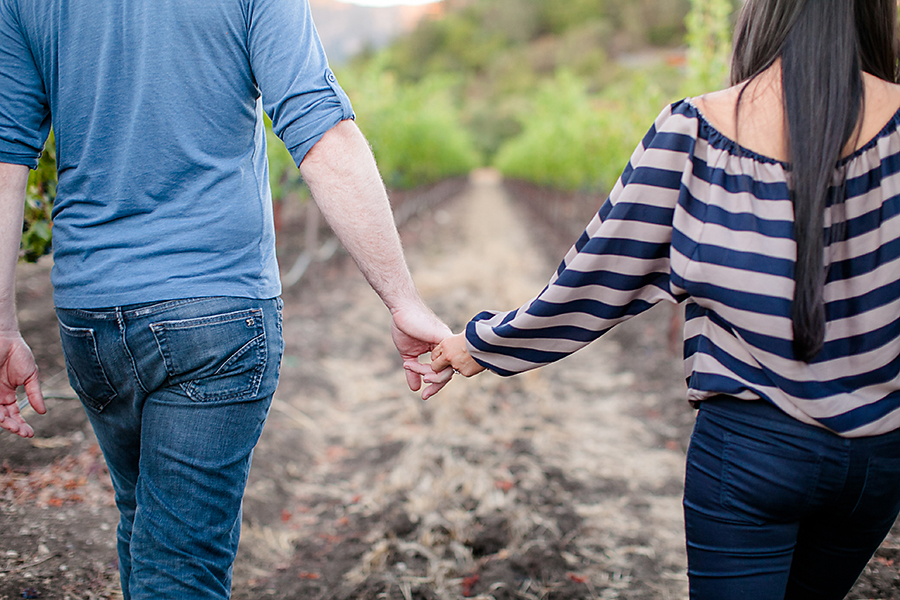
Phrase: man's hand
(416, 331)
(17, 367)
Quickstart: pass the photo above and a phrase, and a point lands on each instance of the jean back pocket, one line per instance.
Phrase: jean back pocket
(215, 358)
(86, 374)
(764, 482)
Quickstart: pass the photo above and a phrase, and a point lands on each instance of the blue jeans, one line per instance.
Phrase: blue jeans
(775, 508)
(177, 393)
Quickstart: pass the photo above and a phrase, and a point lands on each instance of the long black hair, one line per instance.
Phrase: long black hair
(824, 46)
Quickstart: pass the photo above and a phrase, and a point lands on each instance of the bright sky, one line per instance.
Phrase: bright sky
(387, 2)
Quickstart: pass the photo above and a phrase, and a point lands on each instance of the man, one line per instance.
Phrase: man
(165, 278)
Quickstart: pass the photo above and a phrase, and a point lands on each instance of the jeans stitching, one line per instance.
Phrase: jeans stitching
(194, 322)
(189, 387)
(251, 390)
(108, 315)
(871, 464)
(726, 492)
(88, 334)
(862, 491)
(161, 306)
(122, 332)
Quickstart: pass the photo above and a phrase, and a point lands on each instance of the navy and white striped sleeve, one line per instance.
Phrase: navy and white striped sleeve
(618, 268)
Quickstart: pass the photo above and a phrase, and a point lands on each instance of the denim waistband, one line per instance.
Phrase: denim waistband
(764, 414)
(140, 310)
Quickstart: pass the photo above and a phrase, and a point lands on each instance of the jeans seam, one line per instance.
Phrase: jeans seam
(97, 404)
(194, 322)
(161, 306)
(89, 314)
(122, 331)
(252, 390)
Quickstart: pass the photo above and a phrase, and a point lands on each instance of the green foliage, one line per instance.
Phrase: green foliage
(650, 22)
(572, 140)
(498, 54)
(577, 140)
(414, 130)
(39, 196)
(469, 40)
(456, 44)
(709, 40)
(284, 176)
(561, 17)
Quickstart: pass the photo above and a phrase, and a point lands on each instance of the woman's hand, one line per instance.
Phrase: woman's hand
(449, 357)
(453, 353)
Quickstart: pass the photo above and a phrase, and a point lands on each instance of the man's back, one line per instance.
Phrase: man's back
(163, 184)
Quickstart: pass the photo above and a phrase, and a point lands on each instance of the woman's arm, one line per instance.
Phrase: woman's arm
(619, 267)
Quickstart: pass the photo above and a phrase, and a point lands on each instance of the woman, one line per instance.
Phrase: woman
(772, 209)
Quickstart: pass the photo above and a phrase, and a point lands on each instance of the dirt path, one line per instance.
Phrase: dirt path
(546, 485)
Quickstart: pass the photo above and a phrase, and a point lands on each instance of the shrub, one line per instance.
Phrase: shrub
(284, 176)
(709, 45)
(574, 141)
(39, 196)
(414, 130)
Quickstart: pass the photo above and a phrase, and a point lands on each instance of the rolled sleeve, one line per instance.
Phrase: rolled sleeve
(302, 131)
(300, 93)
(24, 114)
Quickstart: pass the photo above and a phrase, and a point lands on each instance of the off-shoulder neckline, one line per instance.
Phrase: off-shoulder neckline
(714, 134)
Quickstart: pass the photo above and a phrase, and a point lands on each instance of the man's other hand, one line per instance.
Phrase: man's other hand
(17, 368)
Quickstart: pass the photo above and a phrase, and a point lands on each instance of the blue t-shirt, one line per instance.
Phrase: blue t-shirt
(157, 108)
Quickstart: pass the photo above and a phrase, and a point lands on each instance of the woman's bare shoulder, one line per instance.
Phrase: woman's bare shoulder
(761, 117)
(882, 103)
(718, 107)
(760, 126)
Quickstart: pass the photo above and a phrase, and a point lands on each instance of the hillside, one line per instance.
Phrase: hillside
(527, 73)
(348, 29)
(495, 38)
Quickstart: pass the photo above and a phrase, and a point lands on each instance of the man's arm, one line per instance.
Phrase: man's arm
(344, 180)
(17, 366)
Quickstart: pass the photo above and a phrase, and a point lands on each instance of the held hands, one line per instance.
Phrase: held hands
(416, 331)
(452, 353)
(17, 367)
(447, 358)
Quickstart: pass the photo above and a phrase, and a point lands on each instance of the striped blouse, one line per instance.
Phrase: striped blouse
(697, 218)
